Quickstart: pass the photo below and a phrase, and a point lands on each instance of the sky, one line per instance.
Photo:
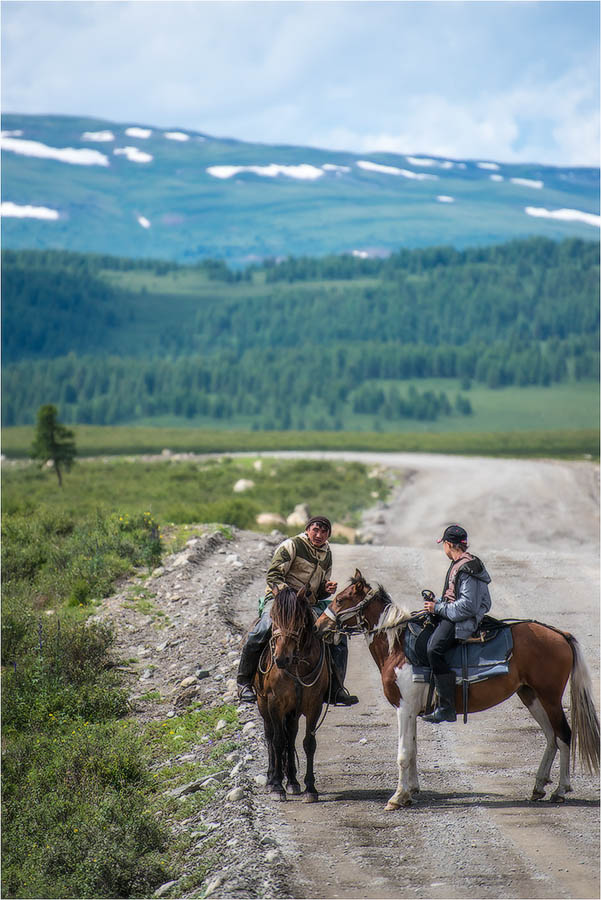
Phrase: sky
(510, 81)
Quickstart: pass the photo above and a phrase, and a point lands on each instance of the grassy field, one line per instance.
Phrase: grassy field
(85, 787)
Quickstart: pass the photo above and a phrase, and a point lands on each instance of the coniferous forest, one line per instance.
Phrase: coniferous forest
(296, 343)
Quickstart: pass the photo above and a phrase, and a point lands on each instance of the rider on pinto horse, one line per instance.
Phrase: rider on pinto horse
(301, 561)
(464, 602)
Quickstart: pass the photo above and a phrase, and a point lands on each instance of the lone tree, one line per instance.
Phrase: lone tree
(53, 442)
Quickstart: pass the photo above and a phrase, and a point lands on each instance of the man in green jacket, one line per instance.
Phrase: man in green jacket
(301, 561)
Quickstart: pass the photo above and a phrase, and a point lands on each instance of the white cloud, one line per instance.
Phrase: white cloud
(98, 136)
(565, 215)
(133, 154)
(444, 198)
(76, 157)
(304, 171)
(12, 210)
(135, 132)
(394, 170)
(528, 182)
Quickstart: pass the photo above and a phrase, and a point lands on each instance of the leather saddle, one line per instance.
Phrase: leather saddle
(485, 654)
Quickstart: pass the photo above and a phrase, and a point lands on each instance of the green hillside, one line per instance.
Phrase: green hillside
(423, 339)
(150, 196)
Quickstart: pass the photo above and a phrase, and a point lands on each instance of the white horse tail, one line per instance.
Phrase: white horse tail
(585, 722)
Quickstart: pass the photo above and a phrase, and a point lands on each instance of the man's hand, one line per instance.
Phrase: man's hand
(429, 606)
(331, 587)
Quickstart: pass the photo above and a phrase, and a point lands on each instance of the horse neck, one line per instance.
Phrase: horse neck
(381, 644)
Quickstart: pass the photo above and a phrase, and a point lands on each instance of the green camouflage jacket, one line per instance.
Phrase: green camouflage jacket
(296, 562)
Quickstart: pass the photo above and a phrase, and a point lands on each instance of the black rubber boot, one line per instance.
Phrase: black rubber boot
(339, 696)
(249, 660)
(445, 710)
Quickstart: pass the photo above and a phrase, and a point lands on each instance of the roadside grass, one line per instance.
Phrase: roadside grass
(86, 788)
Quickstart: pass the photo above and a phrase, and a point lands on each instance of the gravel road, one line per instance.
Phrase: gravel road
(472, 832)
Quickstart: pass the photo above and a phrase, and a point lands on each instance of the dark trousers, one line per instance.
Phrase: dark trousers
(442, 638)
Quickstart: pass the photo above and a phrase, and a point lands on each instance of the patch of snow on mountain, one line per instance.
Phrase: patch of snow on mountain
(98, 136)
(133, 154)
(6, 134)
(304, 171)
(138, 132)
(331, 167)
(424, 161)
(393, 170)
(496, 178)
(12, 210)
(443, 198)
(488, 165)
(76, 157)
(143, 221)
(528, 182)
(565, 215)
(360, 254)
(176, 136)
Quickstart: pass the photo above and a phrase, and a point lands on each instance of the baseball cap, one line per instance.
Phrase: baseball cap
(454, 534)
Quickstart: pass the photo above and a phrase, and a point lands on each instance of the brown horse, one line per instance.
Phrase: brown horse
(293, 679)
(543, 660)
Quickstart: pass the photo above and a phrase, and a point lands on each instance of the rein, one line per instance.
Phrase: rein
(362, 626)
(315, 672)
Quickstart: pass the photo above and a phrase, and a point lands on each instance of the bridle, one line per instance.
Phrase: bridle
(307, 680)
(361, 626)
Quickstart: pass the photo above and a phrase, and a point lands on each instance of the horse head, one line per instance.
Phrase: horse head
(345, 612)
(292, 625)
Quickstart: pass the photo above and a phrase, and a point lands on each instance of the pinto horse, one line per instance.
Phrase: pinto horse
(543, 660)
(293, 679)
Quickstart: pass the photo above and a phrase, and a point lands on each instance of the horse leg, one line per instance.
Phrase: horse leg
(557, 733)
(278, 749)
(291, 732)
(408, 784)
(309, 746)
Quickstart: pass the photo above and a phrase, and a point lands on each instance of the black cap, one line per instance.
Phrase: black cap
(320, 520)
(454, 534)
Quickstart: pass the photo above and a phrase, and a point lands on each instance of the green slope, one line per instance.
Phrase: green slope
(193, 215)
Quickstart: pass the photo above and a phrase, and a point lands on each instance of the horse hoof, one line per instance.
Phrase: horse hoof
(277, 797)
(310, 797)
(294, 788)
(392, 806)
(558, 798)
(537, 795)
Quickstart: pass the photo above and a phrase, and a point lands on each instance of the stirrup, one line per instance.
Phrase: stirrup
(246, 693)
(343, 698)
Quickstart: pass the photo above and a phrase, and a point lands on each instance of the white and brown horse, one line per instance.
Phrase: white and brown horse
(543, 659)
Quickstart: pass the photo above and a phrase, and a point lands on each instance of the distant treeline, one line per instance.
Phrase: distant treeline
(300, 343)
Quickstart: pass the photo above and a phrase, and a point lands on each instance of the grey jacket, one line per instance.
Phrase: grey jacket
(473, 600)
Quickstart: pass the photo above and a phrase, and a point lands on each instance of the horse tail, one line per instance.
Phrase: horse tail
(585, 722)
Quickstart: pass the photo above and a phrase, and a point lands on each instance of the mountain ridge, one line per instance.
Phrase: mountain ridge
(93, 185)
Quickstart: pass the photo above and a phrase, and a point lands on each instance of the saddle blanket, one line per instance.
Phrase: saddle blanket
(484, 660)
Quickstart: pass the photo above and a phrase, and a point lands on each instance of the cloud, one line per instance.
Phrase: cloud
(499, 80)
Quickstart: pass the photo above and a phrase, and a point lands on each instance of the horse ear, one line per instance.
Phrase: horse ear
(357, 576)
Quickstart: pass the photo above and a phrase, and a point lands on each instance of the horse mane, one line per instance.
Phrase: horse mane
(290, 613)
(393, 619)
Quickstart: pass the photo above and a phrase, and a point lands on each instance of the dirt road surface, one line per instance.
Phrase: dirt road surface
(472, 832)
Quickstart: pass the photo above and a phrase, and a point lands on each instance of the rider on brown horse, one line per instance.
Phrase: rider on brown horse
(301, 561)
(465, 600)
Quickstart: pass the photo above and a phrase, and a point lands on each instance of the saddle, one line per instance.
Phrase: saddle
(485, 654)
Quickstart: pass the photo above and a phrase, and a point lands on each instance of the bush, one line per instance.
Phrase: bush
(76, 822)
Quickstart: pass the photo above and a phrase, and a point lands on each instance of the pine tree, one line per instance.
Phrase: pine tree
(53, 442)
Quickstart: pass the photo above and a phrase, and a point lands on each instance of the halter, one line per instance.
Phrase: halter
(311, 677)
(362, 626)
